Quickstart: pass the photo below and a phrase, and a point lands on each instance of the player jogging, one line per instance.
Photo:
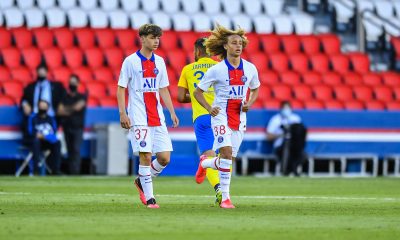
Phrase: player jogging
(145, 75)
(190, 77)
(231, 79)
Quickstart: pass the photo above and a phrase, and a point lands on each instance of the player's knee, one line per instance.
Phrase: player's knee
(226, 153)
(163, 160)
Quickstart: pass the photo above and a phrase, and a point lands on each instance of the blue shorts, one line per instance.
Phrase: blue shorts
(204, 133)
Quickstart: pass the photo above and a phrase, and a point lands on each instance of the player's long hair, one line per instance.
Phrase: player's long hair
(219, 37)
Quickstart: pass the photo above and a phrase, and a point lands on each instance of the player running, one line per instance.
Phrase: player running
(231, 79)
(145, 75)
(190, 77)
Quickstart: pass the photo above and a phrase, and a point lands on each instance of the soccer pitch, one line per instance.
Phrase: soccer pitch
(267, 208)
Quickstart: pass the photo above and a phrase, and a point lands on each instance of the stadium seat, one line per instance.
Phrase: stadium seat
(319, 63)
(383, 93)
(263, 24)
(88, 4)
(5, 37)
(56, 17)
(322, 92)
(13, 88)
(314, 104)
(111, 89)
(354, 105)
(105, 37)
(109, 5)
(11, 57)
(93, 102)
(243, 21)
(273, 7)
(343, 93)
(310, 44)
(330, 43)
(372, 79)
(270, 43)
(311, 78)
(103, 74)
(393, 106)
(94, 57)
(23, 37)
(169, 40)
(13, 17)
(359, 62)
(283, 24)
(114, 57)
(96, 89)
(181, 22)
(176, 59)
(108, 102)
(31, 57)
(73, 57)
(85, 73)
(170, 6)
(363, 93)
(297, 104)
(340, 63)
(260, 60)
(62, 74)
(396, 93)
(303, 23)
(130, 5)
(391, 79)
(291, 44)
(279, 62)
(201, 22)
(118, 19)
(334, 105)
(254, 43)
(138, 18)
(6, 4)
(43, 37)
(231, 7)
(161, 19)
(53, 57)
(353, 79)
(85, 37)
(273, 104)
(46, 4)
(281, 92)
(77, 18)
(374, 105)
(127, 38)
(302, 92)
(252, 8)
(290, 78)
(269, 77)
(265, 94)
(384, 8)
(34, 17)
(299, 62)
(5, 74)
(64, 37)
(7, 101)
(332, 78)
(22, 74)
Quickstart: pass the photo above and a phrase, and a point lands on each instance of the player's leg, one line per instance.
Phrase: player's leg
(145, 178)
(225, 175)
(163, 148)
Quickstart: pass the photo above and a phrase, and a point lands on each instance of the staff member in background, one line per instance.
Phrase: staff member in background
(72, 110)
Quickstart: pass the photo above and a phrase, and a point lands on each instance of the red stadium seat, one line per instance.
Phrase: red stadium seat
(23, 74)
(23, 37)
(64, 37)
(108, 102)
(73, 57)
(32, 57)
(176, 59)
(61, 74)
(303, 92)
(111, 89)
(94, 57)
(312, 78)
(279, 62)
(105, 37)
(383, 93)
(85, 37)
(5, 74)
(11, 57)
(7, 101)
(254, 44)
(332, 78)
(44, 37)
(299, 62)
(13, 89)
(270, 43)
(391, 79)
(354, 105)
(353, 79)
(296, 104)
(372, 79)
(160, 52)
(343, 93)
(187, 39)
(127, 38)
(396, 92)
(330, 43)
(334, 105)
(322, 92)
(340, 63)
(172, 77)
(5, 36)
(169, 40)
(395, 41)
(257, 105)
(85, 74)
(363, 93)
(310, 44)
(273, 104)
(359, 62)
(96, 89)
(260, 60)
(291, 44)
(114, 57)
(375, 105)
(393, 106)
(269, 77)
(319, 63)
(314, 104)
(53, 57)
(290, 78)
(103, 74)
(281, 92)
(128, 52)
(264, 93)
(93, 102)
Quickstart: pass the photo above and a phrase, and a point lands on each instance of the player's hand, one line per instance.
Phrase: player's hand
(214, 111)
(175, 120)
(125, 121)
(245, 106)
(39, 136)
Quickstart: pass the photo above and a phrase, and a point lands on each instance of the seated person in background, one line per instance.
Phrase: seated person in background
(42, 136)
(288, 134)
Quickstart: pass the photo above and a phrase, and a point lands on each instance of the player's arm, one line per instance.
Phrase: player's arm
(207, 81)
(123, 117)
(252, 98)
(166, 97)
(183, 95)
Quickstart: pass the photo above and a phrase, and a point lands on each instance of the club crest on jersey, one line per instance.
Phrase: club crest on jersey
(155, 71)
(143, 143)
(220, 139)
(149, 83)
(244, 79)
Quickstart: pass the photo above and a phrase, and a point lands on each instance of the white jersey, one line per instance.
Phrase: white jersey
(230, 87)
(275, 126)
(144, 77)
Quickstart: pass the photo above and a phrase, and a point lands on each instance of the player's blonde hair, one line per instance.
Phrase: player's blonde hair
(219, 37)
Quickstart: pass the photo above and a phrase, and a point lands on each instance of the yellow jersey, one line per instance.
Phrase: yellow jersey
(191, 75)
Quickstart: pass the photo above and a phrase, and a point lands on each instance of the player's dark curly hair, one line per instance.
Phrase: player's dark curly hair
(219, 37)
(148, 29)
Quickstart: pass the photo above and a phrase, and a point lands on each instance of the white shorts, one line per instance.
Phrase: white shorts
(150, 139)
(224, 136)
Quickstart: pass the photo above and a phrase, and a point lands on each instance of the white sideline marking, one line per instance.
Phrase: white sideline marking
(211, 196)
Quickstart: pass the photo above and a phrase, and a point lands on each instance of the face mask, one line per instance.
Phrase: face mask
(42, 112)
(73, 88)
(286, 112)
(40, 79)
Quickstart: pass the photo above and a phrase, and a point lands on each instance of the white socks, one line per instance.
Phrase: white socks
(156, 168)
(145, 180)
(225, 177)
(213, 163)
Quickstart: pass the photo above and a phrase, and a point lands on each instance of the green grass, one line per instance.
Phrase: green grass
(267, 208)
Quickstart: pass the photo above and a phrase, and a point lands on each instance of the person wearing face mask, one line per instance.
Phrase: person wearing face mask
(280, 130)
(72, 110)
(42, 130)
